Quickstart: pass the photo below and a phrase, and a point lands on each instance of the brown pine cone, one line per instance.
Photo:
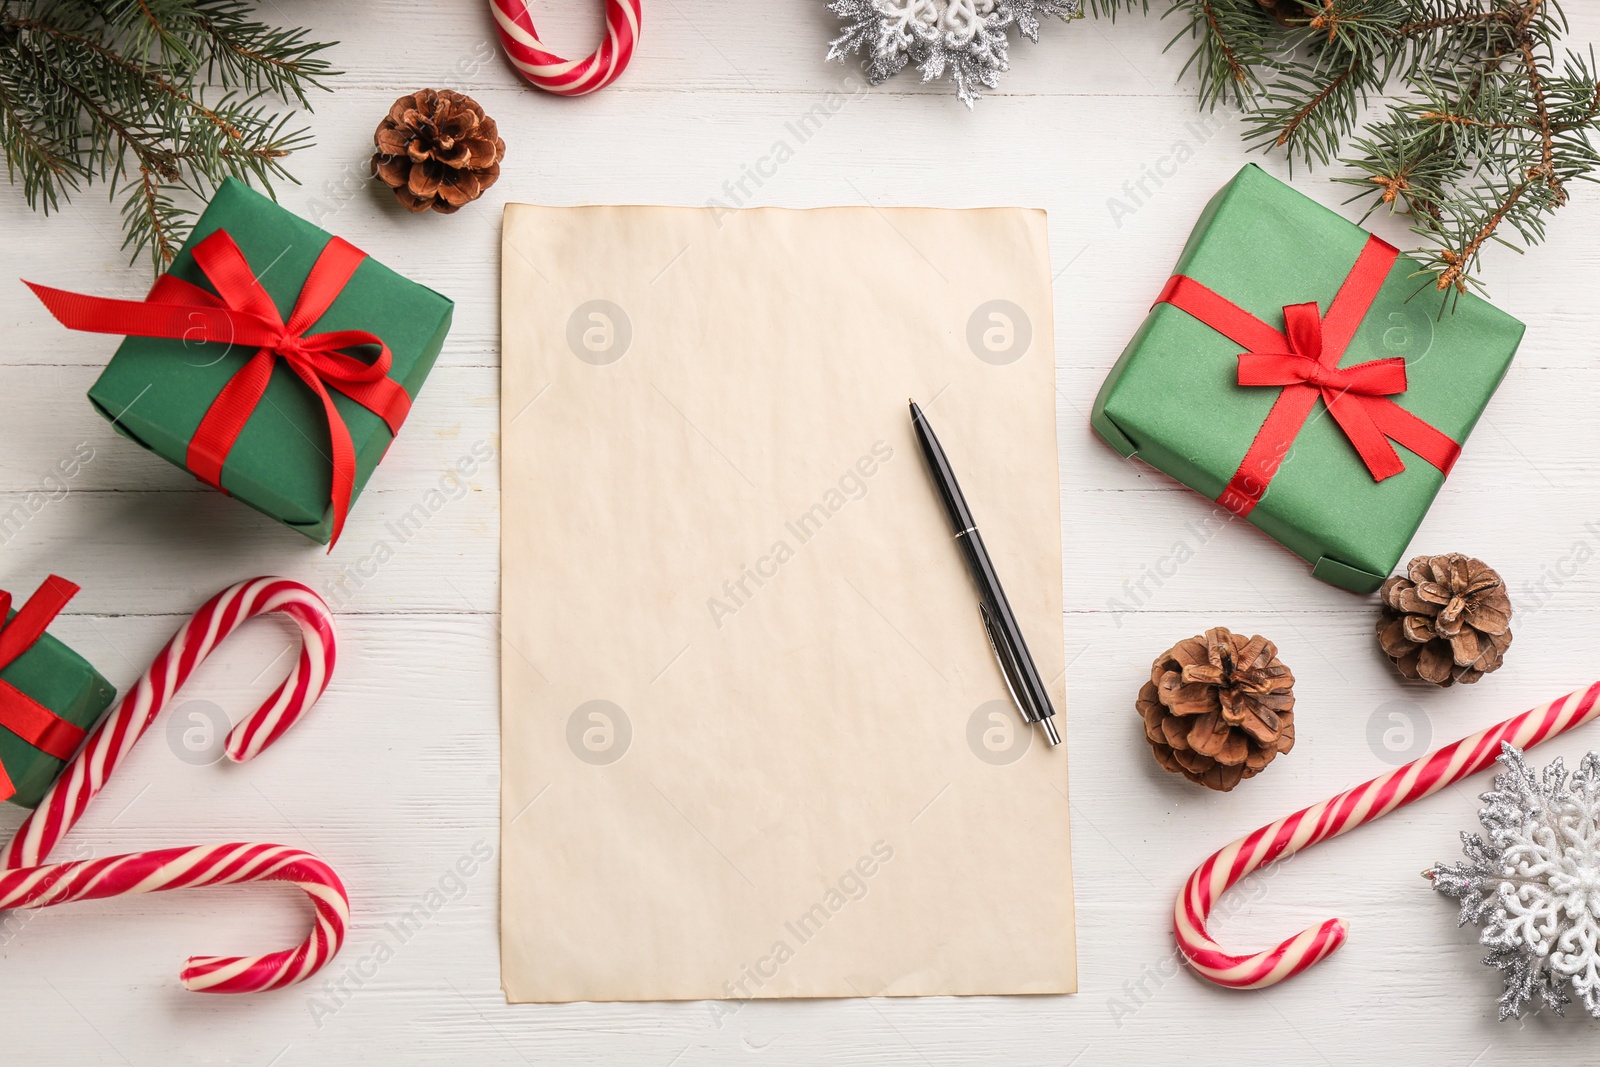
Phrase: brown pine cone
(1448, 620)
(438, 150)
(1283, 11)
(1218, 708)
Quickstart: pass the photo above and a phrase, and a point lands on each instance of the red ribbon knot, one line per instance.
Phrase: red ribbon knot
(1303, 360)
(1348, 392)
(243, 313)
(291, 347)
(20, 713)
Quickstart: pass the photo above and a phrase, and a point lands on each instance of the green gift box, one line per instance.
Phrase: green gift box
(157, 389)
(49, 695)
(1319, 319)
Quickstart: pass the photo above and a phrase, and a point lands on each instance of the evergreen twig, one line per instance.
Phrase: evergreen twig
(1485, 129)
(149, 97)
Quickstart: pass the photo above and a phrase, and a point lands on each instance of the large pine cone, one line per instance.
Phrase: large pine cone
(1447, 620)
(437, 150)
(1218, 708)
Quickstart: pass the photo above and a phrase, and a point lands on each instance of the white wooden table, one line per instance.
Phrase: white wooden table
(394, 778)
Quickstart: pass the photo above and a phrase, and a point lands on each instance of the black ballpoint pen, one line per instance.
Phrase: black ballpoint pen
(1005, 637)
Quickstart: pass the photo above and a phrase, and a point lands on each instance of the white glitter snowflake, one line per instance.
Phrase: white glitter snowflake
(1535, 883)
(966, 39)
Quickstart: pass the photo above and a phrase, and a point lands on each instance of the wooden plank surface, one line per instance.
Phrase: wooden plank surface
(395, 777)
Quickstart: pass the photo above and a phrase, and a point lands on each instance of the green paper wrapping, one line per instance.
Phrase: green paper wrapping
(64, 682)
(156, 391)
(1173, 399)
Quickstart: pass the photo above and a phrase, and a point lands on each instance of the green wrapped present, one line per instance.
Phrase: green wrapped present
(273, 361)
(1292, 371)
(49, 695)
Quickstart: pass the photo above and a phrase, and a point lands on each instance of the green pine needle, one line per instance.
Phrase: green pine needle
(149, 97)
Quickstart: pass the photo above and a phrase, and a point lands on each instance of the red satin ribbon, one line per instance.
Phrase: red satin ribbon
(20, 713)
(243, 313)
(1305, 363)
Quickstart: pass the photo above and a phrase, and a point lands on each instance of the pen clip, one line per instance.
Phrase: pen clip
(1008, 666)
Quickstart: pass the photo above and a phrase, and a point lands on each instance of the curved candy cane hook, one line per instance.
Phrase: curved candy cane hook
(27, 882)
(1335, 816)
(568, 77)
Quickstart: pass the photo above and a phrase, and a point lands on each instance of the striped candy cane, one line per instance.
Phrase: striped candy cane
(1331, 818)
(26, 881)
(568, 77)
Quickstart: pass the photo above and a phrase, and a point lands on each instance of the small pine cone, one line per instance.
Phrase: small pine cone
(1448, 620)
(1283, 11)
(437, 150)
(1218, 708)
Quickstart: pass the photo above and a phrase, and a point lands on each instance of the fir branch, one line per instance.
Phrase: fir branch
(1227, 61)
(1467, 120)
(1327, 93)
(135, 134)
(1459, 261)
(149, 96)
(150, 77)
(1482, 138)
(1226, 55)
(152, 221)
(1451, 22)
(1308, 113)
(258, 56)
(1547, 148)
(44, 165)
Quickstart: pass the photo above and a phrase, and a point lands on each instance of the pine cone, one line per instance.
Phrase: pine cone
(1218, 708)
(1448, 620)
(1284, 11)
(438, 150)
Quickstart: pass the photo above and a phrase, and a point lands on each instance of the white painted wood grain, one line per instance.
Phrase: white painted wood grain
(395, 776)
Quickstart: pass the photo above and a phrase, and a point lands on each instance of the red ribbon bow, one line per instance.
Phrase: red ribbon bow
(20, 713)
(243, 313)
(1305, 362)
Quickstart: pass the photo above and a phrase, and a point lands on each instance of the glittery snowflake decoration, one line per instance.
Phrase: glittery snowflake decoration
(966, 39)
(1535, 883)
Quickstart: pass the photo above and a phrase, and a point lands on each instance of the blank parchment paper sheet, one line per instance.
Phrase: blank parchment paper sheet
(755, 742)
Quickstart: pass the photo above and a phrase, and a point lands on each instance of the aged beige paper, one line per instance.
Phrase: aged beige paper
(755, 743)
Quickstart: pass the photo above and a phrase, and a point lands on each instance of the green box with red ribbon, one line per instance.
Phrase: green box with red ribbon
(273, 361)
(49, 695)
(1297, 370)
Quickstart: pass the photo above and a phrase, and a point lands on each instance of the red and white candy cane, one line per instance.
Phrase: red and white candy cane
(26, 881)
(1331, 818)
(568, 77)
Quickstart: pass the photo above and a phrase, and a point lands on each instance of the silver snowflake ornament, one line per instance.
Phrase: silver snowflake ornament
(964, 39)
(1534, 884)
